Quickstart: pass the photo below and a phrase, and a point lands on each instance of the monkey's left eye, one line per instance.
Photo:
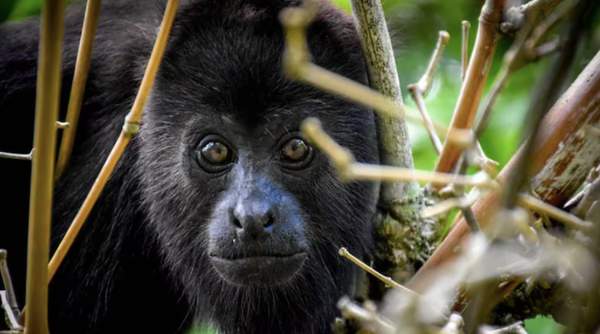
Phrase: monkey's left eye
(295, 153)
(295, 150)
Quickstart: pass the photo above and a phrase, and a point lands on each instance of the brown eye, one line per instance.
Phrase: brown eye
(295, 150)
(216, 153)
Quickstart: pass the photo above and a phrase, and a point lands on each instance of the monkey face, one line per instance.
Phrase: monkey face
(256, 231)
(238, 197)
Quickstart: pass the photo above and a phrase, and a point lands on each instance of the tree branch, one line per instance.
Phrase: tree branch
(394, 141)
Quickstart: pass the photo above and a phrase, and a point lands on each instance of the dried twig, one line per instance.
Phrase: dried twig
(8, 297)
(17, 156)
(464, 59)
(351, 170)
(418, 97)
(454, 326)
(570, 220)
(510, 64)
(387, 280)
(471, 91)
(82, 66)
(449, 204)
(590, 195)
(351, 310)
(419, 89)
(424, 84)
(6, 280)
(516, 328)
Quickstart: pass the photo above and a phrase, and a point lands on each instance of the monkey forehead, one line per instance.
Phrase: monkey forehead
(227, 55)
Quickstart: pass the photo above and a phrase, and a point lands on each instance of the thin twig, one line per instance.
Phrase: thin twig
(540, 206)
(424, 84)
(477, 72)
(509, 65)
(360, 171)
(7, 281)
(350, 170)
(419, 89)
(467, 212)
(516, 328)
(418, 98)
(546, 49)
(17, 156)
(385, 279)
(454, 326)
(590, 195)
(447, 205)
(351, 310)
(466, 27)
(82, 66)
(10, 313)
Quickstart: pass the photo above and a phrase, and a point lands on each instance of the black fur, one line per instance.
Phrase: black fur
(142, 263)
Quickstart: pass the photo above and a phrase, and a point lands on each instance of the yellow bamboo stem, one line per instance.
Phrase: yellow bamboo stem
(82, 67)
(40, 208)
(129, 129)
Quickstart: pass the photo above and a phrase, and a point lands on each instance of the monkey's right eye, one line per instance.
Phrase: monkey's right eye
(214, 154)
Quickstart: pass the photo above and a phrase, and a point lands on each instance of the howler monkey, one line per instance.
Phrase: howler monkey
(220, 210)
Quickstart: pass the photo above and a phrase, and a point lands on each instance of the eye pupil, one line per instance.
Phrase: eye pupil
(295, 150)
(215, 152)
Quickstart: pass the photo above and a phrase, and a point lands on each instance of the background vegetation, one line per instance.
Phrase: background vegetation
(414, 26)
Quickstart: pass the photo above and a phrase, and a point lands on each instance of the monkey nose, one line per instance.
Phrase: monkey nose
(253, 218)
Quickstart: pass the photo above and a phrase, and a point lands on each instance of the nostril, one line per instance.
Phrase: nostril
(270, 220)
(236, 222)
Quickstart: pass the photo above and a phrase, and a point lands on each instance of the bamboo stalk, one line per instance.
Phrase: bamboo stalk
(130, 128)
(82, 67)
(477, 72)
(40, 209)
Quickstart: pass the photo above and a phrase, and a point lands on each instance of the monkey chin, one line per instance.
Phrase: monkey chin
(259, 271)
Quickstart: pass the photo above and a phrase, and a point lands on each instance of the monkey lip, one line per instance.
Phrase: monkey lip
(262, 270)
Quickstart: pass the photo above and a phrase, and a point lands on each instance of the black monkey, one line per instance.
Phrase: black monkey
(220, 210)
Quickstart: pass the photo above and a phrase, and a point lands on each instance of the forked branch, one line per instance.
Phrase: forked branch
(478, 70)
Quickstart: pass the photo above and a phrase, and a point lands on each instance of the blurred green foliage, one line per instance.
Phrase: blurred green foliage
(14, 10)
(414, 26)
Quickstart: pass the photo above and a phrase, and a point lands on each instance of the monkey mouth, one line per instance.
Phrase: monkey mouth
(258, 270)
